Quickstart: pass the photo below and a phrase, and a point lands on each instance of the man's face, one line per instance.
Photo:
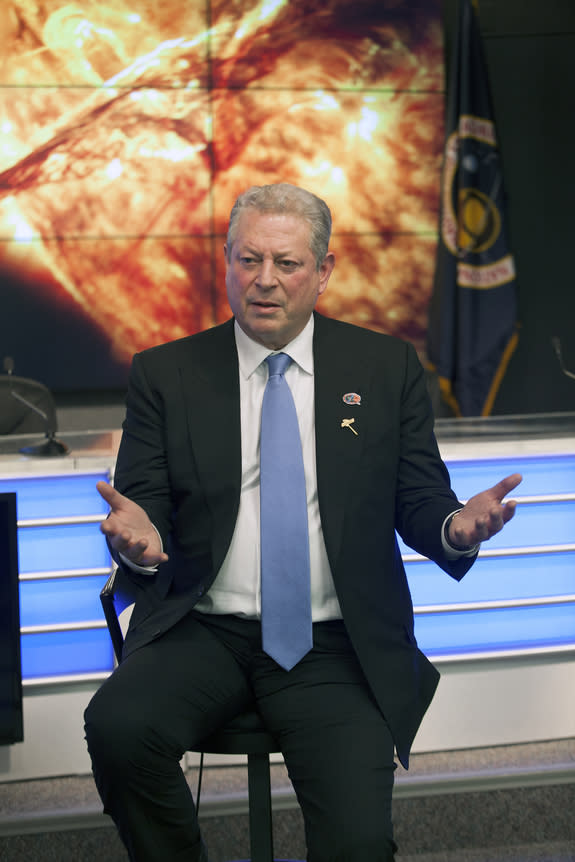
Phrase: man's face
(271, 276)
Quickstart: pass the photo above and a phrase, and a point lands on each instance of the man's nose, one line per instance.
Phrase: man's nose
(267, 276)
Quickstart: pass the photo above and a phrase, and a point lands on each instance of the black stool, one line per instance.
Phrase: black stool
(244, 735)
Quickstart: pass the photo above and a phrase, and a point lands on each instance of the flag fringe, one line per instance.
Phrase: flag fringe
(499, 374)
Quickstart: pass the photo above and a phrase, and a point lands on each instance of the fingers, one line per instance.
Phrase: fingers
(509, 510)
(485, 514)
(109, 494)
(503, 512)
(138, 550)
(461, 536)
(506, 485)
(486, 528)
(481, 529)
(133, 550)
(130, 513)
(120, 536)
(488, 525)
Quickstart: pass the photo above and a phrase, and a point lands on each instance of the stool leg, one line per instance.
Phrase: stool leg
(260, 802)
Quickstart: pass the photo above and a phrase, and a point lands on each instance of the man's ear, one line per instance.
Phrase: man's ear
(326, 270)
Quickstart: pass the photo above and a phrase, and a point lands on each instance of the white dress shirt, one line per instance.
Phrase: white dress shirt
(236, 589)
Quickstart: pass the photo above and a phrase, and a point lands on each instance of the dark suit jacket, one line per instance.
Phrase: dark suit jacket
(180, 458)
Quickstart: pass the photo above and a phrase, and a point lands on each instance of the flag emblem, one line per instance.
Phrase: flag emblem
(472, 330)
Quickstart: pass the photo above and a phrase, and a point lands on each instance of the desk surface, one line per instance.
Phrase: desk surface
(89, 450)
(481, 437)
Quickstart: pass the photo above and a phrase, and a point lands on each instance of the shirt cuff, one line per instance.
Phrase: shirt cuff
(455, 553)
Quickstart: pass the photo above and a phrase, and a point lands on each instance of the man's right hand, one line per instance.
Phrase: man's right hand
(129, 530)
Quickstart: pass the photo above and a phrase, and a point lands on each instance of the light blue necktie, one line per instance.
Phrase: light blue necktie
(286, 602)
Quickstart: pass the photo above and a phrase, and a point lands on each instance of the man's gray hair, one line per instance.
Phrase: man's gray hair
(289, 200)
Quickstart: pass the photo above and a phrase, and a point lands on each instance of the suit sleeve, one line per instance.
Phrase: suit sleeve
(424, 494)
(142, 464)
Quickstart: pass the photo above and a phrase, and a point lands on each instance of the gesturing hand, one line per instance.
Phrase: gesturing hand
(129, 530)
(484, 514)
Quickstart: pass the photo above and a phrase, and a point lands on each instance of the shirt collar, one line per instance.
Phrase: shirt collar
(251, 354)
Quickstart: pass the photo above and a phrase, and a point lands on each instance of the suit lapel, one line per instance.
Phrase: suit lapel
(338, 448)
(210, 380)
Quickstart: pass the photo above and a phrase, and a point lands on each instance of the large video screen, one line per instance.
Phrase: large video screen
(128, 129)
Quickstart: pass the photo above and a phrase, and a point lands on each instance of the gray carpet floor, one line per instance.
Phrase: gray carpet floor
(466, 806)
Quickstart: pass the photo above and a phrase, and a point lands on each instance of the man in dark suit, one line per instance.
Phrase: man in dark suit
(185, 524)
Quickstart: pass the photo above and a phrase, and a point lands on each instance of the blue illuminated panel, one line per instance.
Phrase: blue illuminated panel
(510, 577)
(66, 653)
(68, 495)
(59, 548)
(547, 523)
(494, 579)
(538, 524)
(61, 600)
(495, 630)
(70, 546)
(542, 475)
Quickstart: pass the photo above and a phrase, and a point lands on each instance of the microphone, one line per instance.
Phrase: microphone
(51, 447)
(556, 341)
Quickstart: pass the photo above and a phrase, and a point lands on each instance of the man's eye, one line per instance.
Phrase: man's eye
(247, 261)
(287, 264)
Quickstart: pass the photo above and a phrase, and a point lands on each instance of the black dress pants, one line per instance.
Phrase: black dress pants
(167, 696)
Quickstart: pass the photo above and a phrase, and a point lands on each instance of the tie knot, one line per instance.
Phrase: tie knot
(278, 363)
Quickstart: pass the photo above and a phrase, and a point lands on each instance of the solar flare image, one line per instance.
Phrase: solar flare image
(129, 128)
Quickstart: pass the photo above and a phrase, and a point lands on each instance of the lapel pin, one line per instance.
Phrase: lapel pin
(352, 398)
(347, 423)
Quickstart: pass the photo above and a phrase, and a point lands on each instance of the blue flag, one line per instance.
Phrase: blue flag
(472, 328)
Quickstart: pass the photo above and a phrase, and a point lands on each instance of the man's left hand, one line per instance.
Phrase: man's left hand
(484, 515)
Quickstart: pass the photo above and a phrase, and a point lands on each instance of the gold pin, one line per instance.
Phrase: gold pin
(347, 423)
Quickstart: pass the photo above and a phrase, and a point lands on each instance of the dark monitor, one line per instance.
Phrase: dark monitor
(11, 722)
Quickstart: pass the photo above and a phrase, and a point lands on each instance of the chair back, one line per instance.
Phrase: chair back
(117, 597)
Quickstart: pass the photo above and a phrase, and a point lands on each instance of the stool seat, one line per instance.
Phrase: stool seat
(244, 734)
